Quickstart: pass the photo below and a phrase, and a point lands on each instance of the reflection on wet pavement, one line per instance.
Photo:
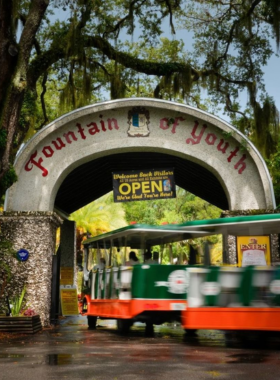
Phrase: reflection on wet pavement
(72, 346)
(247, 358)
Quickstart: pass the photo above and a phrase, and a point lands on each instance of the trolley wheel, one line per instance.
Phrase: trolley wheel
(124, 325)
(252, 338)
(190, 332)
(92, 322)
(149, 330)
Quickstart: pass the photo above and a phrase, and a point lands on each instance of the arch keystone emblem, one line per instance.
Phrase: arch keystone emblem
(138, 121)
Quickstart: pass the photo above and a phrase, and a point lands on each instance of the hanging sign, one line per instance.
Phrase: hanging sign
(143, 185)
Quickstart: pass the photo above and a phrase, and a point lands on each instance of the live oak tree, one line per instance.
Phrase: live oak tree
(118, 47)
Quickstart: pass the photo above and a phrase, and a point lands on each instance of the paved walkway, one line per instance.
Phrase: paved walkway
(72, 351)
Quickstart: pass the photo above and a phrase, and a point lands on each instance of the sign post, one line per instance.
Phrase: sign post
(69, 300)
(253, 250)
(66, 276)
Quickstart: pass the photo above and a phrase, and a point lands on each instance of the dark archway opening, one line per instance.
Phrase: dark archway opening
(90, 181)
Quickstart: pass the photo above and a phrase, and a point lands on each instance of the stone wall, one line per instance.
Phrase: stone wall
(35, 232)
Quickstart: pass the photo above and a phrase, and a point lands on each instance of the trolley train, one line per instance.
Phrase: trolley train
(200, 297)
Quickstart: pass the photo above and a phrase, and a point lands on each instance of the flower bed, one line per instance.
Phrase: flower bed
(21, 324)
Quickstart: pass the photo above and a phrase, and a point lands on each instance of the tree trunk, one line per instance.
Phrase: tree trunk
(14, 63)
(8, 48)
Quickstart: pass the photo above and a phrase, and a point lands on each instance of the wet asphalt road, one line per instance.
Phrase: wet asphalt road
(72, 351)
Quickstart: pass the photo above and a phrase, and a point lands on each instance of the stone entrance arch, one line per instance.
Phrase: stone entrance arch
(110, 128)
(210, 158)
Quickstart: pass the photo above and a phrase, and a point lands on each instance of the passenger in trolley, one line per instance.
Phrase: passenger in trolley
(133, 259)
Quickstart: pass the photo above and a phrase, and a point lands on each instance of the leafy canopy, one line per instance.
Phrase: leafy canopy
(59, 55)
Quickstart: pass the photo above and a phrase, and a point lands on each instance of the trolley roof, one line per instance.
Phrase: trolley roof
(141, 236)
(144, 235)
(265, 224)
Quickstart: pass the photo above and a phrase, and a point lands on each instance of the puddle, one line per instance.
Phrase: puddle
(53, 359)
(60, 359)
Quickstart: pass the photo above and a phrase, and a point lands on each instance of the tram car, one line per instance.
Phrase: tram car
(236, 299)
(223, 297)
(242, 299)
(146, 292)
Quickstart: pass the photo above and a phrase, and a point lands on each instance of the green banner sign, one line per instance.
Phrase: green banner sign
(143, 185)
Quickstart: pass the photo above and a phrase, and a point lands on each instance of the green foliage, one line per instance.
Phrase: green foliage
(5, 271)
(104, 215)
(118, 87)
(266, 127)
(230, 49)
(3, 138)
(273, 164)
(9, 178)
(29, 109)
(184, 207)
(124, 48)
(17, 303)
(100, 216)
(6, 249)
(271, 12)
(6, 252)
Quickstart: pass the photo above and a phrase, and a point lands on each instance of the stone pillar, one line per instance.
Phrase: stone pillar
(68, 251)
(231, 250)
(35, 232)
